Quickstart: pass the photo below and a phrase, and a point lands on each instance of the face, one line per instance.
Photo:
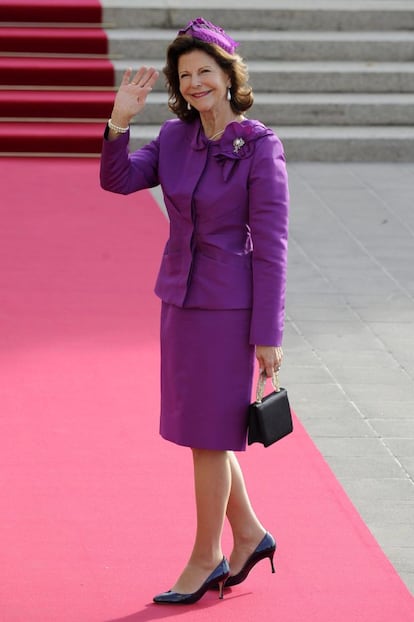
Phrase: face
(203, 83)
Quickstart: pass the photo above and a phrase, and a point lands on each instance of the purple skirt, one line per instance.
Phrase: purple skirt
(206, 377)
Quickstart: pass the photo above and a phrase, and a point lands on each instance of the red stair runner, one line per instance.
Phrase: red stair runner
(50, 138)
(56, 104)
(70, 11)
(54, 77)
(55, 72)
(54, 40)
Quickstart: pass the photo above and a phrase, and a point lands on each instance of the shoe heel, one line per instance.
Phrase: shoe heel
(271, 563)
(221, 589)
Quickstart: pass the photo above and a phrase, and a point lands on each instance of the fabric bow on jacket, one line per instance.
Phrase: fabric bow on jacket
(238, 142)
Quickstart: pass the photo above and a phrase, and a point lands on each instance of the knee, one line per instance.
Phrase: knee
(209, 454)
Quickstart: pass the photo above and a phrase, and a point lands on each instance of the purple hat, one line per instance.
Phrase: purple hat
(200, 28)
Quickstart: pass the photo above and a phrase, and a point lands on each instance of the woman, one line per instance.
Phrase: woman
(221, 281)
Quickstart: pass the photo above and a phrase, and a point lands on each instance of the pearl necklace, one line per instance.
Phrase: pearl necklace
(216, 134)
(221, 131)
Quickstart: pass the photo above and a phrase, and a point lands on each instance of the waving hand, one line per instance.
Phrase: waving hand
(132, 94)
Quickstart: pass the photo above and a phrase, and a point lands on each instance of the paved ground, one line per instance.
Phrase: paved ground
(350, 336)
(349, 341)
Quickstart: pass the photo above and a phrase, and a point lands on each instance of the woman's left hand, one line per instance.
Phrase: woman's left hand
(269, 359)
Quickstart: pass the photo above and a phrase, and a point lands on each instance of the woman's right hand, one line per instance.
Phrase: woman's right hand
(132, 94)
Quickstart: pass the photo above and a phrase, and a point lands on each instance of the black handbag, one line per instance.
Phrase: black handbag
(270, 418)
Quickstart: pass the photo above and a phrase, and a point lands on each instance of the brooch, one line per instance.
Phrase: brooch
(237, 144)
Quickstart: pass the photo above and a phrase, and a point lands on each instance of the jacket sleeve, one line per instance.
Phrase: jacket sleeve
(123, 172)
(268, 220)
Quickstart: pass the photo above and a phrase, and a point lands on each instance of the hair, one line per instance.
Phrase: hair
(231, 64)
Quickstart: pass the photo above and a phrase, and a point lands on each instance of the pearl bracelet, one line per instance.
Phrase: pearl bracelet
(117, 128)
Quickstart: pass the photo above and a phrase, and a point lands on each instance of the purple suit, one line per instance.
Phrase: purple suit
(227, 202)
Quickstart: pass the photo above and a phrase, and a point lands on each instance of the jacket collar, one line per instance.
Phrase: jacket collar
(236, 142)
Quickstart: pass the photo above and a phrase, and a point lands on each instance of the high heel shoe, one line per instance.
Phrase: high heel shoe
(266, 548)
(217, 577)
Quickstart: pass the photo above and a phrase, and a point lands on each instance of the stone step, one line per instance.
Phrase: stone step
(335, 77)
(386, 46)
(350, 144)
(311, 109)
(330, 143)
(285, 76)
(264, 14)
(335, 108)
(352, 77)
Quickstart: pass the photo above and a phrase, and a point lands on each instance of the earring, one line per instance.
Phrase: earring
(228, 94)
(188, 106)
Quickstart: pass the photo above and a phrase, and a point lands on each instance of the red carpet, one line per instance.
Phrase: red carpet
(76, 11)
(57, 138)
(56, 104)
(96, 511)
(55, 72)
(54, 40)
(54, 67)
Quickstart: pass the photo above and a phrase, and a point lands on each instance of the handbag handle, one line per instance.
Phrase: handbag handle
(261, 383)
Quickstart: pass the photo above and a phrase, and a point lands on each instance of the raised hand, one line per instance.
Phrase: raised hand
(132, 94)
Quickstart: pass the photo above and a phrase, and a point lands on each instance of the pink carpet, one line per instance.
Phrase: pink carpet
(96, 511)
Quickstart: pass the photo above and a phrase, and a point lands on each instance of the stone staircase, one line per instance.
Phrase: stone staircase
(335, 80)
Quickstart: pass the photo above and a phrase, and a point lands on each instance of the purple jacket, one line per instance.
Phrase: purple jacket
(227, 202)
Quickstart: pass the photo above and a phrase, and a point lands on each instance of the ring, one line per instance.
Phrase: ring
(135, 83)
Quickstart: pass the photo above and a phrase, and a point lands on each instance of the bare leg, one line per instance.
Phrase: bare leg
(212, 479)
(246, 527)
